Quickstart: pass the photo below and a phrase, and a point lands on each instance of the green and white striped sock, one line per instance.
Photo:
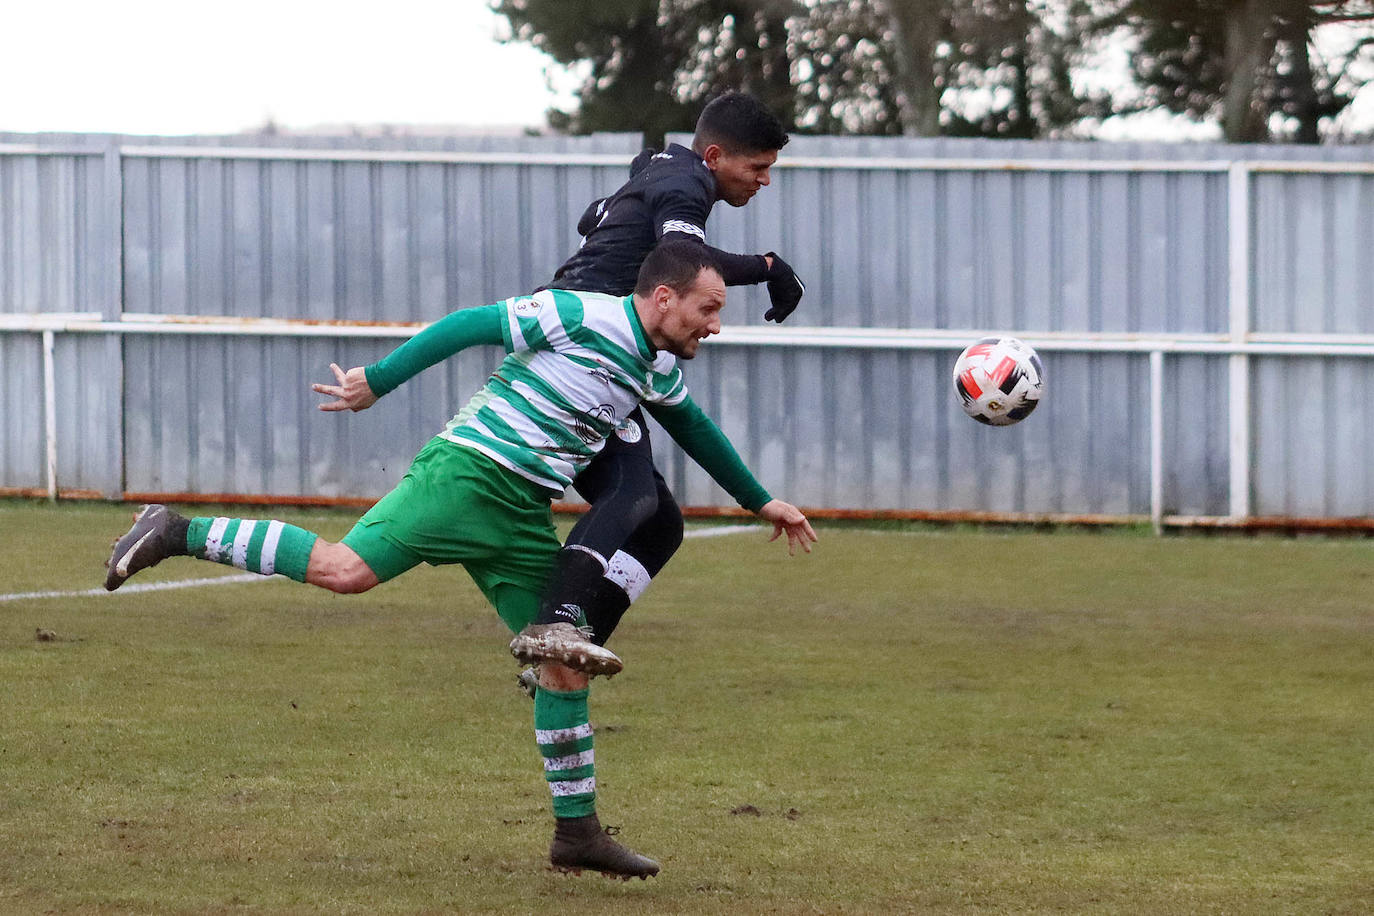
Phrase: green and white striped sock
(264, 547)
(564, 732)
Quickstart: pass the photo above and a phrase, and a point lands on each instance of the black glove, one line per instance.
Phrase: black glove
(785, 289)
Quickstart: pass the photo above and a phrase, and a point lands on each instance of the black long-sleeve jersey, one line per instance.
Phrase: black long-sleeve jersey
(668, 193)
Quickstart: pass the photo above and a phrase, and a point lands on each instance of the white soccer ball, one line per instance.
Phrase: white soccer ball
(999, 380)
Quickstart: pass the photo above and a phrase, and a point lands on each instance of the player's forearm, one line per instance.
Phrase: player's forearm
(445, 337)
(705, 444)
(740, 269)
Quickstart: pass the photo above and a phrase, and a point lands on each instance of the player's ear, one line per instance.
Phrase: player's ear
(711, 155)
(663, 295)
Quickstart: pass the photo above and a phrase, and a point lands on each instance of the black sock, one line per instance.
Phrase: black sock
(606, 604)
(575, 575)
(176, 534)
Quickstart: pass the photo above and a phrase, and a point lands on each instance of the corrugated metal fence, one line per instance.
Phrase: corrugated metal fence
(1204, 314)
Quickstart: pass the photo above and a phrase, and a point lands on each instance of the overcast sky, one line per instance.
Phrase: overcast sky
(188, 66)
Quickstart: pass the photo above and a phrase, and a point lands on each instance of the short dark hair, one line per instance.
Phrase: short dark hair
(674, 264)
(738, 123)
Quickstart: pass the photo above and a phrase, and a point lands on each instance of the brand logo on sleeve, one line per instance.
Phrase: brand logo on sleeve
(527, 307)
(686, 228)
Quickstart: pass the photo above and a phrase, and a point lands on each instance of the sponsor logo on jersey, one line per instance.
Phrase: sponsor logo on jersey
(603, 413)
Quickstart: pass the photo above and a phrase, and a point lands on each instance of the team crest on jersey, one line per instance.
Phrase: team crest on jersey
(629, 432)
(602, 413)
(527, 307)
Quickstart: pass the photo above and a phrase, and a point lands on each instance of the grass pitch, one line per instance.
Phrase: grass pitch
(905, 721)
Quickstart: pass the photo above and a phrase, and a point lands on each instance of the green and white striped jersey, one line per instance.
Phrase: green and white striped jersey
(578, 364)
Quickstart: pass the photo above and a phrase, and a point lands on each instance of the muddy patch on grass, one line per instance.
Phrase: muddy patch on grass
(790, 814)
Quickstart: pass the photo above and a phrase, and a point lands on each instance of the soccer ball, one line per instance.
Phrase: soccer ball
(999, 380)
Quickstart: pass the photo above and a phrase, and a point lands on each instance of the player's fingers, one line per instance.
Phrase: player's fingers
(777, 531)
(338, 373)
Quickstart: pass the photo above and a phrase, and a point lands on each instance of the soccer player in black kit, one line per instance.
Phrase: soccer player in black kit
(634, 525)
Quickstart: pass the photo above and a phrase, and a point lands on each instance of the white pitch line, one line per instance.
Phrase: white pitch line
(136, 589)
(717, 531)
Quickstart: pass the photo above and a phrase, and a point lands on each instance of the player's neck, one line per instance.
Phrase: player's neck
(649, 318)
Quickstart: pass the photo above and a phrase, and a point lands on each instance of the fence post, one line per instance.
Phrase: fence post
(1238, 299)
(1157, 440)
(112, 308)
(50, 414)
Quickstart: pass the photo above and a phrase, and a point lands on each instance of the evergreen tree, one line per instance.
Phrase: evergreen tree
(1241, 61)
(989, 68)
(652, 64)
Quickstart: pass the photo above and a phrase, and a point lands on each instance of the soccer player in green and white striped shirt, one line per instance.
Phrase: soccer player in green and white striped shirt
(479, 493)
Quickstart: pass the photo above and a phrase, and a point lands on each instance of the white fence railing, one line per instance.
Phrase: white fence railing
(1155, 347)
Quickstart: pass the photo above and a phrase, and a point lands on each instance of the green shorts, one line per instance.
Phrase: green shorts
(456, 505)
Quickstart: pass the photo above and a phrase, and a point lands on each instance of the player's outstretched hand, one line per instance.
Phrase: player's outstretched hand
(785, 290)
(787, 517)
(352, 392)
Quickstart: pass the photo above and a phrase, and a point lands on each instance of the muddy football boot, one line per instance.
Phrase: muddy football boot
(581, 843)
(565, 644)
(158, 533)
